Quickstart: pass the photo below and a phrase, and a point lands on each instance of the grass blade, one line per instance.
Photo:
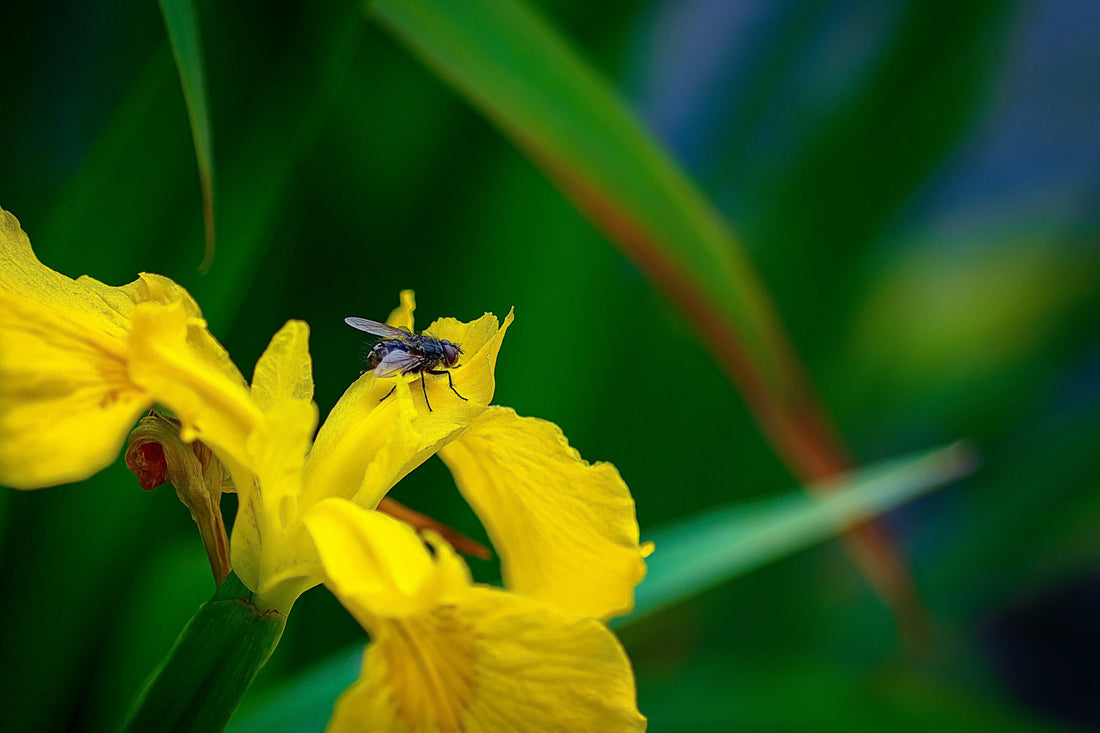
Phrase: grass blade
(704, 551)
(183, 30)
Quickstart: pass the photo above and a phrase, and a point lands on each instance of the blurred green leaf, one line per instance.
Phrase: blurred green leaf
(985, 304)
(183, 30)
(855, 158)
(704, 551)
(690, 557)
(833, 696)
(303, 704)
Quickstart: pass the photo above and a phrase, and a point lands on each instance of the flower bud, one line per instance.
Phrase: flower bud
(147, 462)
(156, 454)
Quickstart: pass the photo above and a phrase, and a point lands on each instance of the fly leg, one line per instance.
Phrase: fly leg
(389, 393)
(425, 390)
(450, 381)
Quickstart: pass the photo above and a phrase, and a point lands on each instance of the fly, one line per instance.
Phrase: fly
(405, 352)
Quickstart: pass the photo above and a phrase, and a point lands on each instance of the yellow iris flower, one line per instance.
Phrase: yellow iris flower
(80, 361)
(448, 655)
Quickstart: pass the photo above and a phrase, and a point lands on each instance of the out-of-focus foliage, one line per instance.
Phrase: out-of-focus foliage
(915, 181)
(183, 31)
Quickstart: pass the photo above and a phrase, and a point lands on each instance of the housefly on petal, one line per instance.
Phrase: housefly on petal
(404, 352)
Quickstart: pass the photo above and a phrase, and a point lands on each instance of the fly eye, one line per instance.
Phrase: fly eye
(450, 353)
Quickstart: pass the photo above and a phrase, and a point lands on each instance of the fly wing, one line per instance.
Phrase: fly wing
(396, 361)
(374, 328)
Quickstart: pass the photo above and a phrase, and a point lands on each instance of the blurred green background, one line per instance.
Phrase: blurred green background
(916, 182)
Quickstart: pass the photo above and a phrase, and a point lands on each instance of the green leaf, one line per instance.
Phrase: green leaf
(690, 557)
(183, 30)
(853, 164)
(305, 703)
(702, 552)
(212, 663)
(989, 312)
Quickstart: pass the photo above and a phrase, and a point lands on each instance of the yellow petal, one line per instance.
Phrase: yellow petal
(24, 277)
(66, 402)
(491, 661)
(402, 315)
(370, 440)
(174, 358)
(480, 340)
(565, 529)
(148, 288)
(449, 656)
(282, 388)
(271, 555)
(85, 301)
(376, 565)
(284, 372)
(67, 397)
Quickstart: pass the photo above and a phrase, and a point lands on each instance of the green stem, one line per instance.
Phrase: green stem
(217, 655)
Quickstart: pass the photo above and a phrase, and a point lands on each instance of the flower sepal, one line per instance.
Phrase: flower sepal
(217, 655)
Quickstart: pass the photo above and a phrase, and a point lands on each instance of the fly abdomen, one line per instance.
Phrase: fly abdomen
(380, 350)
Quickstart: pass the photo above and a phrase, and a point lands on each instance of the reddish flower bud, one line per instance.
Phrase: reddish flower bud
(148, 463)
(156, 454)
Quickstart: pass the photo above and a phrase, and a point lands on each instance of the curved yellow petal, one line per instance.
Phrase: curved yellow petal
(282, 388)
(67, 394)
(284, 372)
(378, 566)
(402, 315)
(85, 301)
(475, 374)
(24, 277)
(174, 359)
(492, 661)
(66, 401)
(370, 440)
(565, 529)
(271, 555)
(449, 656)
(148, 288)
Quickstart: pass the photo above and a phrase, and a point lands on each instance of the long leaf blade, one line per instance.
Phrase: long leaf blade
(705, 551)
(183, 30)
